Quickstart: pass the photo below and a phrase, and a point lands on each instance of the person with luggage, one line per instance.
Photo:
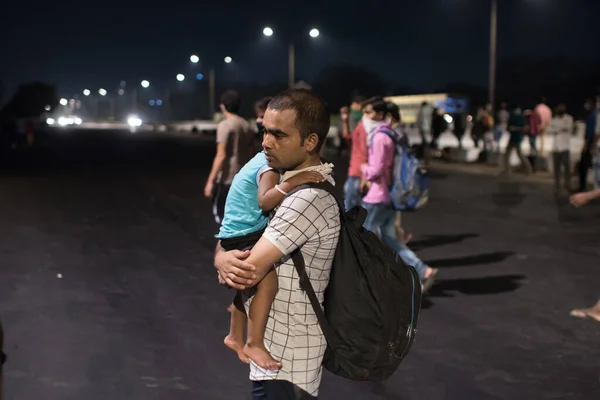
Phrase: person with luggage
(255, 191)
(307, 222)
(393, 118)
(378, 172)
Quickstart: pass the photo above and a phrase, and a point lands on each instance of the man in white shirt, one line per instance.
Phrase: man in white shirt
(296, 123)
(561, 129)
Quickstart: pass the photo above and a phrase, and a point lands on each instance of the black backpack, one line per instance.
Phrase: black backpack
(371, 304)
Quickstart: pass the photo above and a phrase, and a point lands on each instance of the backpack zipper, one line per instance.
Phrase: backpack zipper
(410, 331)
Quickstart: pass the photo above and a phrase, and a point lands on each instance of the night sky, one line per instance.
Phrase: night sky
(422, 44)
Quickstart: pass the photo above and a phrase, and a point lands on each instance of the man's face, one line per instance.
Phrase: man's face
(355, 106)
(370, 113)
(282, 143)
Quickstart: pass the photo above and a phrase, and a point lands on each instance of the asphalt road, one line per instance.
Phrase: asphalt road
(107, 289)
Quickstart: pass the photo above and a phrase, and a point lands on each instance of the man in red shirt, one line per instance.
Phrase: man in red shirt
(358, 156)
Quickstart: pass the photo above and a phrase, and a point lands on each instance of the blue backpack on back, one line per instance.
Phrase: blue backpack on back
(409, 189)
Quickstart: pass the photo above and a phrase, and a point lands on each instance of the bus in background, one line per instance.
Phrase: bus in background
(445, 102)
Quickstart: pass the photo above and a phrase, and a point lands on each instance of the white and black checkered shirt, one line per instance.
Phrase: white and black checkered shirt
(308, 219)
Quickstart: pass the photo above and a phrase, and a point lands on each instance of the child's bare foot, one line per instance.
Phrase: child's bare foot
(238, 347)
(261, 357)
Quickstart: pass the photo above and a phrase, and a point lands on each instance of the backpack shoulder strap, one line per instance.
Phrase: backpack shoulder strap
(306, 285)
(300, 266)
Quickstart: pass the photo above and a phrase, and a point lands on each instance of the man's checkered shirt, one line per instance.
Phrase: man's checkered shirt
(308, 219)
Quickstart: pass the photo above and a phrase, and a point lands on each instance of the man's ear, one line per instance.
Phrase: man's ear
(311, 142)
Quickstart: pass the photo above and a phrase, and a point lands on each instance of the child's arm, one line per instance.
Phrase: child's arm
(269, 197)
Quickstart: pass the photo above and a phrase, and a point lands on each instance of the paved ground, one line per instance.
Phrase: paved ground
(137, 313)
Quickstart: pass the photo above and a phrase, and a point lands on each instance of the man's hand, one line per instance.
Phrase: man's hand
(365, 185)
(234, 271)
(208, 189)
(580, 199)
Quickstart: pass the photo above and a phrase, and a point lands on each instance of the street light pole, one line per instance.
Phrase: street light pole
(211, 93)
(291, 65)
(493, 42)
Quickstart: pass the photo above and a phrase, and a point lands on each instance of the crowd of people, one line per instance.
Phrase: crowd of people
(256, 184)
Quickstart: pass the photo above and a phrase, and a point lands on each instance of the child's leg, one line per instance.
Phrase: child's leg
(257, 321)
(235, 339)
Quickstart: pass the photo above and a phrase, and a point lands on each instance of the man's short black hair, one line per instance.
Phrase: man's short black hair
(378, 104)
(261, 105)
(311, 112)
(393, 110)
(231, 101)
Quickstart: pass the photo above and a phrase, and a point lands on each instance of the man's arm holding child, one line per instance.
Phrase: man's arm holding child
(285, 233)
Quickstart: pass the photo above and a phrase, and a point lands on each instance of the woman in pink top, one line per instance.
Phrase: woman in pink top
(378, 171)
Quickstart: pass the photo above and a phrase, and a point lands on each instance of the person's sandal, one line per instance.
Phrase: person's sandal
(428, 283)
(583, 313)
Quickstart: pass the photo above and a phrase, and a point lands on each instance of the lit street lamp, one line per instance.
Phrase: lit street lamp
(180, 77)
(194, 59)
(145, 84)
(228, 60)
(86, 92)
(102, 92)
(268, 31)
(314, 33)
(63, 102)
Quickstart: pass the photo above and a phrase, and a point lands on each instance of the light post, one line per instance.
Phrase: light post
(211, 82)
(314, 33)
(145, 84)
(493, 42)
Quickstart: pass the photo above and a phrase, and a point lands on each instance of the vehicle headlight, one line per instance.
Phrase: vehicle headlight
(134, 121)
(50, 121)
(62, 121)
(78, 121)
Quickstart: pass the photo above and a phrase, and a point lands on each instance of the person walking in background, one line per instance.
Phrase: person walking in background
(438, 126)
(533, 129)
(424, 118)
(591, 121)
(378, 172)
(393, 118)
(561, 129)
(235, 137)
(357, 139)
(478, 129)
(545, 114)
(593, 312)
(502, 117)
(355, 112)
(517, 126)
(459, 124)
